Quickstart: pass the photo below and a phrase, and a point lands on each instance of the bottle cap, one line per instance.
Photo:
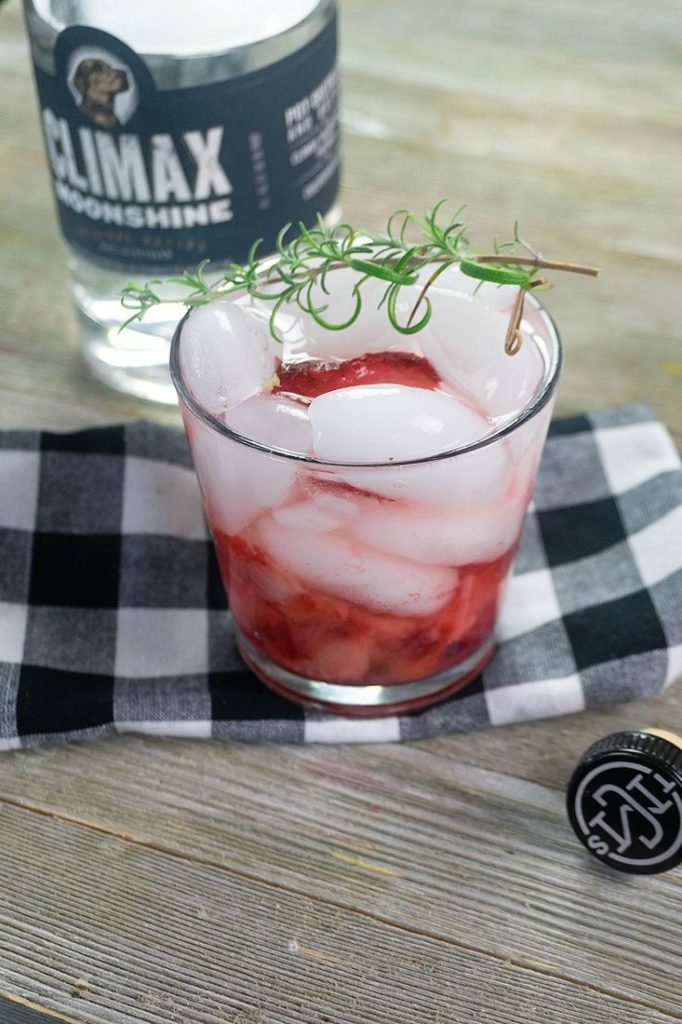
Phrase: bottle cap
(625, 800)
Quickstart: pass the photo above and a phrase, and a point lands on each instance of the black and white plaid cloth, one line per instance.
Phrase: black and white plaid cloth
(113, 618)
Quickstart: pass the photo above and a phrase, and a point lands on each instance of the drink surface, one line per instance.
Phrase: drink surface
(172, 139)
(377, 557)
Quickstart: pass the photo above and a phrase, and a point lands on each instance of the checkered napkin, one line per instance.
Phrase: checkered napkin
(113, 618)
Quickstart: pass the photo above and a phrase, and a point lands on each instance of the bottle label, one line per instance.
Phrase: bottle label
(155, 180)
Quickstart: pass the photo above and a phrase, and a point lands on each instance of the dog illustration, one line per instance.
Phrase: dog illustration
(98, 83)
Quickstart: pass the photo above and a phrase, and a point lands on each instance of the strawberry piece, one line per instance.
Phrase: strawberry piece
(320, 636)
(316, 377)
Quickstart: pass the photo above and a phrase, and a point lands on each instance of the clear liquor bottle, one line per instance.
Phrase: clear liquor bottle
(176, 134)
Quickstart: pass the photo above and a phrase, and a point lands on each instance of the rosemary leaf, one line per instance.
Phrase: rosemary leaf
(301, 266)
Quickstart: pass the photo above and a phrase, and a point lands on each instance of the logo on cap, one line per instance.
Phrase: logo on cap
(629, 814)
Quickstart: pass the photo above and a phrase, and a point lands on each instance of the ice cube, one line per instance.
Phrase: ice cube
(392, 423)
(227, 354)
(349, 570)
(530, 436)
(464, 342)
(318, 514)
(454, 283)
(343, 660)
(371, 332)
(382, 422)
(273, 420)
(240, 482)
(436, 537)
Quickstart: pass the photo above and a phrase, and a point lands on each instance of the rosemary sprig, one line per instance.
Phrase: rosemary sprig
(298, 272)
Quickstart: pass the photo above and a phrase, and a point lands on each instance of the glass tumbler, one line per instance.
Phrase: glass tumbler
(371, 585)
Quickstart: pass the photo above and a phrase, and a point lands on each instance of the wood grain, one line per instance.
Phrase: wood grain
(114, 932)
(438, 839)
(438, 881)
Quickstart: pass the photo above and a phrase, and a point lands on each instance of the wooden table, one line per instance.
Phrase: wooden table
(157, 881)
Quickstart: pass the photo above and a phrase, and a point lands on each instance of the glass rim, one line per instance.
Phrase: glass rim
(256, 48)
(259, 49)
(531, 410)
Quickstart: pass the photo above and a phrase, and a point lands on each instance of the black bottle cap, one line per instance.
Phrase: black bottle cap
(625, 801)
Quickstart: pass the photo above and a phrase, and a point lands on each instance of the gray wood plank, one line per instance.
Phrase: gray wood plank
(110, 932)
(423, 836)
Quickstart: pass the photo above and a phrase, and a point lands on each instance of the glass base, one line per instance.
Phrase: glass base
(360, 700)
(131, 360)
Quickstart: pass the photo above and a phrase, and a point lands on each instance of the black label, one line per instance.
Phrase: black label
(155, 180)
(629, 814)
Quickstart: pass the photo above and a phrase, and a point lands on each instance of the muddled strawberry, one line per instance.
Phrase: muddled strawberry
(315, 377)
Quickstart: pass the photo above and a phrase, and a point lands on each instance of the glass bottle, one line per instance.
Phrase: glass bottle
(173, 136)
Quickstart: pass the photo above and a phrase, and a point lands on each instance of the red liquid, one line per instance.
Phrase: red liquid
(317, 635)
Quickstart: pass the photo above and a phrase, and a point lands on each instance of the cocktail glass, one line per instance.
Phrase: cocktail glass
(366, 489)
